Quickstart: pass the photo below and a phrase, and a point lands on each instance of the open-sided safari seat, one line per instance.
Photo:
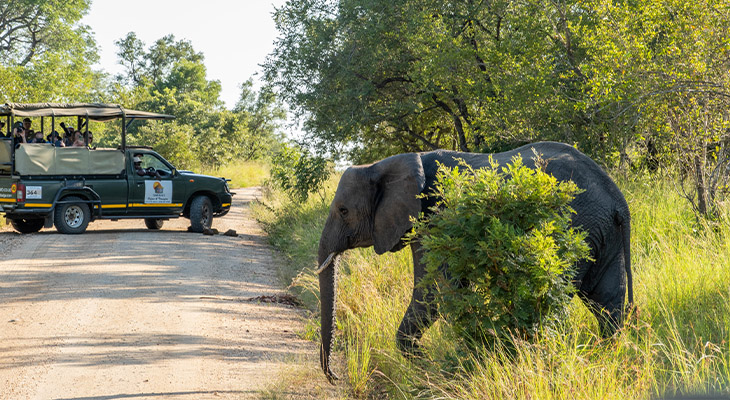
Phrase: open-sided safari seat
(44, 159)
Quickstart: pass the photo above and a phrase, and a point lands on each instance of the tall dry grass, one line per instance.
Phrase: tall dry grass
(676, 342)
(242, 173)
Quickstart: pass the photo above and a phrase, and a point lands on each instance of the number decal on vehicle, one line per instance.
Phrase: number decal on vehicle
(34, 192)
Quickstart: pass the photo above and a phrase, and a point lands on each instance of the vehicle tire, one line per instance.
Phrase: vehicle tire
(201, 214)
(72, 217)
(27, 225)
(153, 223)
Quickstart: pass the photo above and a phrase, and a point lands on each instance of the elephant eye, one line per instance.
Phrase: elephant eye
(343, 211)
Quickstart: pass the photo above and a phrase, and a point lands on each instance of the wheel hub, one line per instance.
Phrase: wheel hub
(74, 216)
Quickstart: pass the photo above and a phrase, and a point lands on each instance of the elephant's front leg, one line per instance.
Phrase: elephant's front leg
(421, 312)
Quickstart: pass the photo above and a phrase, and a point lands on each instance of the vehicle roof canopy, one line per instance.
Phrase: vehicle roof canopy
(94, 111)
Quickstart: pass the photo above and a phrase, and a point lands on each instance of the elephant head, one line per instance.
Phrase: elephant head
(372, 207)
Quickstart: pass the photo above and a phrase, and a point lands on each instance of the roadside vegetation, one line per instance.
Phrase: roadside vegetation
(242, 173)
(642, 87)
(676, 342)
(47, 54)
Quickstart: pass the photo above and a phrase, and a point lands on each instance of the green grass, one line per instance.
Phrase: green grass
(242, 173)
(678, 340)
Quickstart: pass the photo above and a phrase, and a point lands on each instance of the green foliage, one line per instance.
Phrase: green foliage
(425, 74)
(298, 172)
(46, 54)
(511, 251)
(643, 83)
(170, 77)
(29, 29)
(174, 141)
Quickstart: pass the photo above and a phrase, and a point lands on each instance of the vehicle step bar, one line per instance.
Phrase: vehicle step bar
(140, 216)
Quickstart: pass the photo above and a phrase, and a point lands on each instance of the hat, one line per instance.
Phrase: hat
(136, 159)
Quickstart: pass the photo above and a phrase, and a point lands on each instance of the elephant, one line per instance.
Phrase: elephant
(374, 204)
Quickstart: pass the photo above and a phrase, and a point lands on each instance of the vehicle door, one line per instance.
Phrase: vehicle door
(108, 179)
(150, 194)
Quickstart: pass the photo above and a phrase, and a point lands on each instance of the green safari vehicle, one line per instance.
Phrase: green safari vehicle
(42, 185)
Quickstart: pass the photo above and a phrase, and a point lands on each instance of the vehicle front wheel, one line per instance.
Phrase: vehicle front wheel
(72, 216)
(153, 223)
(201, 214)
(27, 225)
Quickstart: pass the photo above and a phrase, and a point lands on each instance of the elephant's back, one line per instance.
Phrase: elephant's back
(563, 161)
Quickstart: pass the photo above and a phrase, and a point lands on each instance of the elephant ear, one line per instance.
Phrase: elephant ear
(399, 180)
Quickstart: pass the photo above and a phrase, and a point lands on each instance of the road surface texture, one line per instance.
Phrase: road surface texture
(122, 312)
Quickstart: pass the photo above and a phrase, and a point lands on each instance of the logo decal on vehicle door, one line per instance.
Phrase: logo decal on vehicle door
(158, 192)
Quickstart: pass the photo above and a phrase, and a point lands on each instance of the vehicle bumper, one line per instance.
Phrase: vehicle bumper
(24, 210)
(226, 200)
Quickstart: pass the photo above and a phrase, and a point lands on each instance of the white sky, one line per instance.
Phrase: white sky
(234, 36)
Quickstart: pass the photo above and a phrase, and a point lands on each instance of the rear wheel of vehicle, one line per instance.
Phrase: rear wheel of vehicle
(153, 223)
(27, 225)
(72, 217)
(201, 214)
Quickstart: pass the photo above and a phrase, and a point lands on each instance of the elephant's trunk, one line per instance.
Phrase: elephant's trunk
(328, 300)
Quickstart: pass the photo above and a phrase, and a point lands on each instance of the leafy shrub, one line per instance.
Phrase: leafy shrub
(172, 140)
(506, 237)
(298, 172)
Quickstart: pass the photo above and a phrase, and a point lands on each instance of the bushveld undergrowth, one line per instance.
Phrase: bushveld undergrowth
(677, 340)
(242, 173)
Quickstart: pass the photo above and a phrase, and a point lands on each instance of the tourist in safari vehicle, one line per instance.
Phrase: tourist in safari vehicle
(42, 185)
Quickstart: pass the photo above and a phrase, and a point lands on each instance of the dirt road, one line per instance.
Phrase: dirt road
(122, 312)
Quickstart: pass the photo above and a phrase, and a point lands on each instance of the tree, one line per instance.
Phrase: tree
(693, 101)
(166, 52)
(425, 74)
(260, 114)
(132, 57)
(45, 54)
(30, 28)
(170, 77)
(630, 83)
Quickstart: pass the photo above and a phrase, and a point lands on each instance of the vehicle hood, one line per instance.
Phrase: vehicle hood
(193, 175)
(206, 181)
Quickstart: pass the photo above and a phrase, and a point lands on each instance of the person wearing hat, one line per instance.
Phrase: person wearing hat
(55, 139)
(29, 134)
(137, 160)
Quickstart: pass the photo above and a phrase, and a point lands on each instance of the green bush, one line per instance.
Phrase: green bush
(298, 172)
(506, 237)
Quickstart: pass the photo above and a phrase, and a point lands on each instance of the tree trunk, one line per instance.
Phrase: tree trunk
(701, 182)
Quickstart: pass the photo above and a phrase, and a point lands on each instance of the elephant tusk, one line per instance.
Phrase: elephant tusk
(326, 263)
